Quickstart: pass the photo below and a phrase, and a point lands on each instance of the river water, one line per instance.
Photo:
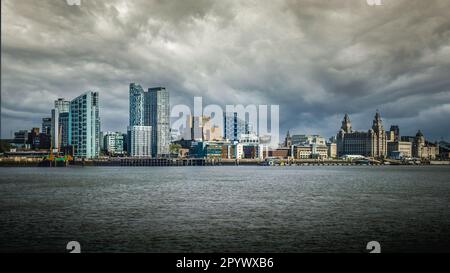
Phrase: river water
(225, 209)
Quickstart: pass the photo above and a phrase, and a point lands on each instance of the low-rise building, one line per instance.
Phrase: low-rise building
(21, 139)
(396, 147)
(281, 153)
(312, 151)
(211, 149)
(113, 143)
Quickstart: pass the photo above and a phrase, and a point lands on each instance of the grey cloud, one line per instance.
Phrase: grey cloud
(316, 59)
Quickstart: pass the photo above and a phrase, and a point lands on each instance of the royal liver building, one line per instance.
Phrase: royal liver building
(372, 143)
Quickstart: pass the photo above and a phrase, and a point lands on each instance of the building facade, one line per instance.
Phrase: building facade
(394, 133)
(249, 147)
(158, 117)
(399, 149)
(150, 108)
(140, 141)
(46, 126)
(85, 125)
(62, 105)
(60, 130)
(372, 143)
(234, 127)
(137, 101)
(307, 139)
(113, 143)
(21, 139)
(65, 130)
(423, 149)
(312, 151)
(332, 150)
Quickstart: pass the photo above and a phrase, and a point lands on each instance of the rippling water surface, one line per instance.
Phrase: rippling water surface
(225, 209)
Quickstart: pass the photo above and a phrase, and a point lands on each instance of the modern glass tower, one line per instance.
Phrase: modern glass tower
(157, 115)
(136, 105)
(65, 130)
(149, 109)
(234, 127)
(139, 132)
(85, 125)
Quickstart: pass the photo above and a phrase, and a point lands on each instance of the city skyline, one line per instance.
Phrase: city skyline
(181, 135)
(314, 64)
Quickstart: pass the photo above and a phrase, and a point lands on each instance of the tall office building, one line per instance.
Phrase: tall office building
(139, 133)
(137, 101)
(60, 124)
(64, 130)
(62, 105)
(157, 115)
(149, 109)
(85, 125)
(234, 127)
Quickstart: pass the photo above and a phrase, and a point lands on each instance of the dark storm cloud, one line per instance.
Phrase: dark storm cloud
(316, 59)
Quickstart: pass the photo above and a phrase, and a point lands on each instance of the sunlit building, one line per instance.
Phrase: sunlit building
(424, 149)
(372, 143)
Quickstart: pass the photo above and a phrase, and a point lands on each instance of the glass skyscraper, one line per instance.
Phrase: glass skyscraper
(65, 130)
(149, 109)
(85, 125)
(137, 100)
(139, 131)
(158, 114)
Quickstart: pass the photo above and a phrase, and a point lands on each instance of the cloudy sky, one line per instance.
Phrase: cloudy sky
(316, 59)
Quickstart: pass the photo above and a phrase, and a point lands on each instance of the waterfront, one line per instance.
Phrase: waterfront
(226, 209)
